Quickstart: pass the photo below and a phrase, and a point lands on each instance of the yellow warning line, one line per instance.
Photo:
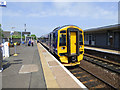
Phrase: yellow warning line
(49, 77)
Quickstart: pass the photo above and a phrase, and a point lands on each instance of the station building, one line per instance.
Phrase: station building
(7, 36)
(103, 37)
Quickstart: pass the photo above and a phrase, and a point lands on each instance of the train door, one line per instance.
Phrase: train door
(73, 42)
(110, 39)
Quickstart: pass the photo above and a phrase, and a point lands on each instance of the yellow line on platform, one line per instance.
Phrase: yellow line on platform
(49, 77)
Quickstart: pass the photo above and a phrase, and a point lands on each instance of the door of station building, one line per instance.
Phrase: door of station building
(90, 39)
(73, 42)
(119, 42)
(110, 38)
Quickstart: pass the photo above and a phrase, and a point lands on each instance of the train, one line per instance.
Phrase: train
(67, 42)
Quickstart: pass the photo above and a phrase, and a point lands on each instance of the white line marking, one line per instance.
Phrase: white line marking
(74, 78)
(102, 51)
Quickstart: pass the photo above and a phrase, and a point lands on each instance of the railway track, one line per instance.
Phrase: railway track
(110, 65)
(90, 80)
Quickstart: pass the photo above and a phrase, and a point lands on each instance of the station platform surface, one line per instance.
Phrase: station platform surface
(25, 70)
(35, 67)
(103, 50)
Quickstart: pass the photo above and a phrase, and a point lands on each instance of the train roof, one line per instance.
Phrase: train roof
(115, 27)
(58, 28)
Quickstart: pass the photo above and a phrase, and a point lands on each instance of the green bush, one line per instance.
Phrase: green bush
(34, 36)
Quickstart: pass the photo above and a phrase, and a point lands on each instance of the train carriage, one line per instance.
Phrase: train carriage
(67, 42)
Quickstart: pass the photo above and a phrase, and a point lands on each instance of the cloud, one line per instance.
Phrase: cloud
(84, 10)
(67, 9)
(101, 13)
(62, 0)
(12, 13)
(0, 12)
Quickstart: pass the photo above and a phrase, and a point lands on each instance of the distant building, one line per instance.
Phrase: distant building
(7, 36)
(28, 38)
(103, 37)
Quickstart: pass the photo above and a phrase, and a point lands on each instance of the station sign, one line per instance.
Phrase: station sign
(12, 32)
(23, 33)
(3, 3)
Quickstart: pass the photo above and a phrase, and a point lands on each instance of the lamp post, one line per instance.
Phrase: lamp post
(21, 37)
(2, 4)
(11, 33)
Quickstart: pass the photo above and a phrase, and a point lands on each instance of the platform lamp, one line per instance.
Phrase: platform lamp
(2, 4)
(11, 33)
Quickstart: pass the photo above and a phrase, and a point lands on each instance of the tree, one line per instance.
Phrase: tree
(34, 36)
(1, 35)
(18, 35)
(28, 35)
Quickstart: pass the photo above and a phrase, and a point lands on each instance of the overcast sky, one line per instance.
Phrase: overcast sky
(42, 17)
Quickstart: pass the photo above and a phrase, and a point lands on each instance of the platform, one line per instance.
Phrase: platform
(59, 74)
(103, 50)
(25, 70)
(35, 67)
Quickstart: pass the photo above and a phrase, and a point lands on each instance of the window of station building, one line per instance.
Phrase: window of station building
(81, 39)
(62, 40)
(93, 38)
(86, 37)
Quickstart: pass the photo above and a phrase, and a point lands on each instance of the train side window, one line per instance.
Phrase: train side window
(54, 38)
(62, 40)
(80, 32)
(80, 39)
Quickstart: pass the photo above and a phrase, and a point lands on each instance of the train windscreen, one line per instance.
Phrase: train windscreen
(62, 40)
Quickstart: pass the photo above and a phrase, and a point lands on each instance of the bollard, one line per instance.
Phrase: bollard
(15, 50)
(5, 48)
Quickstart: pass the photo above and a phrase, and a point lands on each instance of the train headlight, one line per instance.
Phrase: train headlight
(80, 46)
(62, 47)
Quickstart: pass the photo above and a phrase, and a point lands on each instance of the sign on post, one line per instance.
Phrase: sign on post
(12, 32)
(15, 49)
(3, 3)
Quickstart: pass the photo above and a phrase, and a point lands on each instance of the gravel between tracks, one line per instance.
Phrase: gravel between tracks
(108, 76)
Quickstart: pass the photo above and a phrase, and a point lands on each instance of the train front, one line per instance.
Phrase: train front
(71, 45)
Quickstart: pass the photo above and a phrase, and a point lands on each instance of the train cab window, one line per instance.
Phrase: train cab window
(80, 39)
(62, 40)
(63, 31)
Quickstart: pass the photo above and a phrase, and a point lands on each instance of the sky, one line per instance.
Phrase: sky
(42, 17)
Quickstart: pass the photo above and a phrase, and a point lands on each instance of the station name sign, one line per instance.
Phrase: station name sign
(3, 3)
